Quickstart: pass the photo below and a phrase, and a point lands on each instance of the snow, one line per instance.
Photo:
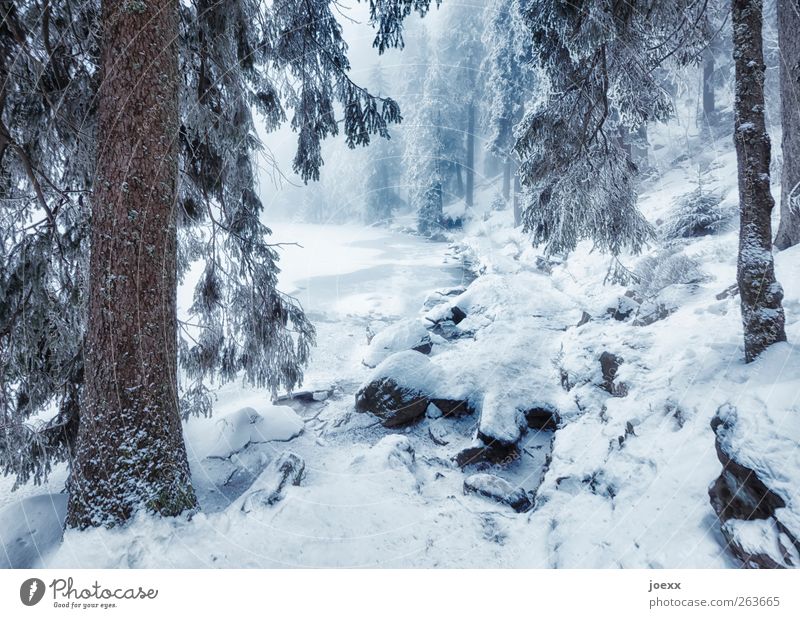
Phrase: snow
(404, 335)
(30, 528)
(623, 482)
(246, 426)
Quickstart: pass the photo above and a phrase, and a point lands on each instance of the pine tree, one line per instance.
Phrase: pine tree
(761, 294)
(598, 60)
(425, 156)
(510, 82)
(460, 49)
(283, 58)
(789, 45)
(382, 178)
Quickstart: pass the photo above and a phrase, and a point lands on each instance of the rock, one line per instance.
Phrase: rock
(397, 391)
(585, 317)
(458, 314)
(487, 451)
(439, 434)
(453, 407)
(657, 312)
(749, 511)
(499, 490)
(625, 308)
(239, 429)
(394, 404)
(404, 335)
(270, 487)
(543, 418)
(609, 366)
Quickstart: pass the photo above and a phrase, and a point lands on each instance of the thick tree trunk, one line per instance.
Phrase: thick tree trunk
(709, 103)
(507, 178)
(761, 294)
(130, 452)
(789, 44)
(470, 166)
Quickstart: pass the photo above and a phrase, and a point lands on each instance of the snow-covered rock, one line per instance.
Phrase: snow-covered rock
(270, 487)
(401, 388)
(247, 425)
(404, 335)
(499, 490)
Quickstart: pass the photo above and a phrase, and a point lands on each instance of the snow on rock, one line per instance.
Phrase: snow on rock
(270, 487)
(760, 543)
(499, 490)
(245, 426)
(756, 442)
(401, 388)
(404, 335)
(31, 528)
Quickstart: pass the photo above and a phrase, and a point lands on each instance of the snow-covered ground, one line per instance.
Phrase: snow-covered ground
(622, 482)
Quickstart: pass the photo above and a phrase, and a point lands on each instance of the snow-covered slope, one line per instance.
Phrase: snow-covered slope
(629, 359)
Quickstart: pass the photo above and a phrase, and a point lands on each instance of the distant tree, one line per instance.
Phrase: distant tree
(425, 156)
(761, 294)
(460, 49)
(509, 82)
(382, 169)
(789, 46)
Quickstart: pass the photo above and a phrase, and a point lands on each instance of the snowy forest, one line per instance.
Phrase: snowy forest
(400, 283)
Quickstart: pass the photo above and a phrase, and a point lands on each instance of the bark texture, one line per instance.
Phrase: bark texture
(761, 294)
(130, 451)
(789, 44)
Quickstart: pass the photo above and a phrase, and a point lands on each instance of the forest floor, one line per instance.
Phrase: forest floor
(623, 481)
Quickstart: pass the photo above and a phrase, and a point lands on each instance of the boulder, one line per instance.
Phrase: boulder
(609, 366)
(542, 418)
(403, 335)
(750, 513)
(398, 390)
(402, 387)
(270, 487)
(499, 490)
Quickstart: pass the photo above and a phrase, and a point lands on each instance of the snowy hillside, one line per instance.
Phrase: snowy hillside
(530, 413)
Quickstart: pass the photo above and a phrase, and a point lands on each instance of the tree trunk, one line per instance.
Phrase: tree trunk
(789, 45)
(517, 207)
(761, 294)
(507, 179)
(709, 102)
(470, 167)
(130, 452)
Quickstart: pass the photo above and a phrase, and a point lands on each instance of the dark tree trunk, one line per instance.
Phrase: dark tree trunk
(470, 166)
(709, 102)
(130, 452)
(761, 294)
(789, 45)
(507, 178)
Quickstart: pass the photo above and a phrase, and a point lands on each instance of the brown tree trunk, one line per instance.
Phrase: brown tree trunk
(761, 294)
(789, 45)
(470, 166)
(130, 452)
